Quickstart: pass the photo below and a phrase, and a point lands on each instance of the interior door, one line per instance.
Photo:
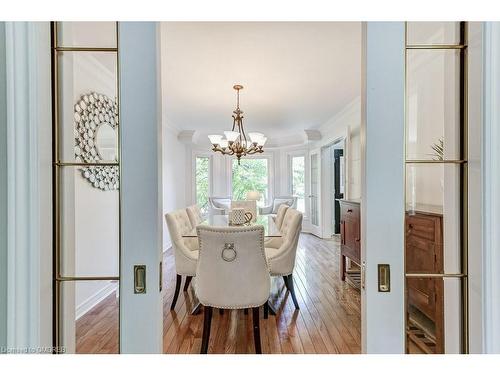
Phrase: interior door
(315, 192)
(338, 191)
(107, 248)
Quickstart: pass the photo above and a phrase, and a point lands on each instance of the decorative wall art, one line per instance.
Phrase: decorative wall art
(96, 139)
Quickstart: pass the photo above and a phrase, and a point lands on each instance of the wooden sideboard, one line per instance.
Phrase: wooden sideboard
(425, 297)
(350, 236)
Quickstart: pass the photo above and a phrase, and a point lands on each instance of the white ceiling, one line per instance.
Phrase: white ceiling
(296, 75)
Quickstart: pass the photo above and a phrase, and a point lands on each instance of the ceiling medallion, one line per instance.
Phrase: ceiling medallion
(235, 141)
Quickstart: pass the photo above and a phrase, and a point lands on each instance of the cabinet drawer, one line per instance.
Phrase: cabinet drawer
(349, 211)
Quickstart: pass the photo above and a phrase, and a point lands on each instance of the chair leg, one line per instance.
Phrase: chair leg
(176, 293)
(266, 310)
(256, 330)
(186, 283)
(245, 311)
(207, 322)
(221, 311)
(289, 285)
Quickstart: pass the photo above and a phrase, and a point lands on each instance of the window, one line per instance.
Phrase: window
(202, 182)
(250, 175)
(298, 181)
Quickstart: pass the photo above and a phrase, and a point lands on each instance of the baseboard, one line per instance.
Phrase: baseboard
(93, 300)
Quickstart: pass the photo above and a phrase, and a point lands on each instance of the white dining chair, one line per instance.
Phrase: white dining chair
(219, 205)
(185, 249)
(281, 251)
(194, 214)
(289, 200)
(278, 219)
(232, 273)
(248, 206)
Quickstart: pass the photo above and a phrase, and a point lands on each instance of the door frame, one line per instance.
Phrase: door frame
(327, 176)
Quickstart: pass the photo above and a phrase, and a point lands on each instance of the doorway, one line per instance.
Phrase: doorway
(334, 186)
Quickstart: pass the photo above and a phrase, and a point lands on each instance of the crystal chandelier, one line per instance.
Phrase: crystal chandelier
(235, 141)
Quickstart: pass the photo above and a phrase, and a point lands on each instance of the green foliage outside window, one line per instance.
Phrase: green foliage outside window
(202, 180)
(250, 175)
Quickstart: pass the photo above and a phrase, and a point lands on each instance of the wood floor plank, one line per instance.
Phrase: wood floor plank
(328, 320)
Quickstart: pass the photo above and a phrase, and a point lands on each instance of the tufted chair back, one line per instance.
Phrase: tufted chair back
(282, 261)
(280, 216)
(232, 269)
(185, 249)
(195, 216)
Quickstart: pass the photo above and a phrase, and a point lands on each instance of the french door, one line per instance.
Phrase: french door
(415, 219)
(107, 237)
(315, 191)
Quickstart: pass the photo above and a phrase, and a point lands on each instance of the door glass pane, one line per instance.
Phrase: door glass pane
(89, 225)
(434, 315)
(433, 33)
(202, 182)
(433, 214)
(250, 175)
(314, 189)
(298, 181)
(433, 104)
(90, 316)
(88, 109)
(87, 34)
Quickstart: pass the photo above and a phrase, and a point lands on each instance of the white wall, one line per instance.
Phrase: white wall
(176, 165)
(176, 191)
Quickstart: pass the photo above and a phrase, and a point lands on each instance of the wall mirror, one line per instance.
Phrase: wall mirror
(96, 139)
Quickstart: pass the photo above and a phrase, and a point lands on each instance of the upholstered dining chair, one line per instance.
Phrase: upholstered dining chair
(219, 205)
(249, 206)
(289, 200)
(194, 214)
(281, 251)
(232, 273)
(278, 220)
(185, 249)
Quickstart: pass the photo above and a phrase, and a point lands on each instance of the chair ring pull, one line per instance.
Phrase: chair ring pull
(228, 253)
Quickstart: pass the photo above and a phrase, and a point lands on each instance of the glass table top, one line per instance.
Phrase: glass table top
(270, 229)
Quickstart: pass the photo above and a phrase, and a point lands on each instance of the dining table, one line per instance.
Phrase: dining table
(218, 220)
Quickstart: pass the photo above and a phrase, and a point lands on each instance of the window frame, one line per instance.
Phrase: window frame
(289, 175)
(195, 155)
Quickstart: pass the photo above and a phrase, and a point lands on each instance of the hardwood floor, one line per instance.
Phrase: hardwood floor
(328, 320)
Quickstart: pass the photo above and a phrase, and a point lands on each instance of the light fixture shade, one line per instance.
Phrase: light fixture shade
(253, 196)
(255, 137)
(231, 136)
(223, 143)
(262, 141)
(215, 139)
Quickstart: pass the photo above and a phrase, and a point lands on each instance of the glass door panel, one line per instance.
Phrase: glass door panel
(90, 317)
(87, 195)
(314, 189)
(436, 208)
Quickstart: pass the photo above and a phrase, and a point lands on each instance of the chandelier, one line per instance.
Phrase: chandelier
(235, 141)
